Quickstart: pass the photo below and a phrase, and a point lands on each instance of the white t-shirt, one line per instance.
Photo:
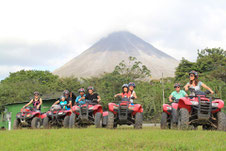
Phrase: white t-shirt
(131, 100)
(198, 87)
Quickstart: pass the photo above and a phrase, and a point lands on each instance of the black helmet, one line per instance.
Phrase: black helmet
(90, 88)
(125, 85)
(194, 72)
(132, 84)
(177, 85)
(81, 90)
(66, 92)
(36, 93)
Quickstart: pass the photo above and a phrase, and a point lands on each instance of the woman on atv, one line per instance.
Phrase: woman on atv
(195, 83)
(178, 93)
(91, 95)
(63, 103)
(133, 96)
(37, 101)
(125, 92)
(81, 98)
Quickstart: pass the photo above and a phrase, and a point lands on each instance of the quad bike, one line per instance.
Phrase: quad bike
(198, 109)
(27, 117)
(169, 115)
(125, 113)
(56, 117)
(86, 114)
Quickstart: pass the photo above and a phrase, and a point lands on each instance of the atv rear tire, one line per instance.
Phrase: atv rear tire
(16, 124)
(164, 124)
(221, 121)
(35, 123)
(46, 123)
(138, 121)
(98, 120)
(183, 119)
(110, 124)
(66, 121)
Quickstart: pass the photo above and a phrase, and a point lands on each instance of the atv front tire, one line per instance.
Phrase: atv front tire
(35, 123)
(164, 124)
(66, 121)
(110, 124)
(98, 120)
(138, 121)
(183, 119)
(46, 123)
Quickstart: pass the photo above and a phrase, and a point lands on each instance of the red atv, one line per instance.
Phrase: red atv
(125, 113)
(56, 117)
(86, 114)
(27, 117)
(169, 115)
(198, 109)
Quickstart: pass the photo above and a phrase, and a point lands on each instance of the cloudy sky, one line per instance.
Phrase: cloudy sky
(45, 34)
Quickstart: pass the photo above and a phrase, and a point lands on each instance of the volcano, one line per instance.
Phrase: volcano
(109, 51)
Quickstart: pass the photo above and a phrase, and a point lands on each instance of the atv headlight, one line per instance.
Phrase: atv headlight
(194, 103)
(91, 108)
(28, 115)
(131, 108)
(215, 104)
(169, 108)
(60, 113)
(115, 107)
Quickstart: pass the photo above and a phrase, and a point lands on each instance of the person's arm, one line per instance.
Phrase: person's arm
(186, 87)
(185, 94)
(98, 99)
(70, 104)
(134, 95)
(119, 94)
(170, 98)
(57, 102)
(28, 103)
(38, 106)
(206, 87)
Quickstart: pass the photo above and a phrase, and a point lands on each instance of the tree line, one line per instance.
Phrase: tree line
(210, 63)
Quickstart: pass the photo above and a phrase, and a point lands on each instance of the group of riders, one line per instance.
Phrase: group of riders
(128, 91)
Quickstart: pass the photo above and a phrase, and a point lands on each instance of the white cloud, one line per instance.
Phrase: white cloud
(54, 31)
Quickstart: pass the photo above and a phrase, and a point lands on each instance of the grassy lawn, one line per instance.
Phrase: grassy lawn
(118, 139)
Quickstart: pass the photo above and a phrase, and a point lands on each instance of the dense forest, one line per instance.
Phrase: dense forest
(210, 64)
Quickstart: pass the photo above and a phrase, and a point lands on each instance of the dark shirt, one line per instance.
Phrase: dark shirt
(91, 97)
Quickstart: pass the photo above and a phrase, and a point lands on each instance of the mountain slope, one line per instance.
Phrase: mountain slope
(104, 55)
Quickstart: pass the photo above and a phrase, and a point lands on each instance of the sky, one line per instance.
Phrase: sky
(45, 34)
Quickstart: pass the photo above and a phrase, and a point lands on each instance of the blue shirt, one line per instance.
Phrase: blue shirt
(79, 97)
(63, 104)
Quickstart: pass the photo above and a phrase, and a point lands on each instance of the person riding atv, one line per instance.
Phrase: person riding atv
(68, 97)
(195, 83)
(63, 103)
(133, 96)
(81, 98)
(125, 92)
(170, 114)
(36, 101)
(91, 96)
(178, 93)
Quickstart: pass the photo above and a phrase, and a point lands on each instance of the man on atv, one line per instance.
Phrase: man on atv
(195, 83)
(63, 103)
(133, 96)
(92, 96)
(81, 98)
(178, 93)
(36, 101)
(125, 92)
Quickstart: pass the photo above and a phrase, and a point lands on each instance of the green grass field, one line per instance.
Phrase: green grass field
(148, 138)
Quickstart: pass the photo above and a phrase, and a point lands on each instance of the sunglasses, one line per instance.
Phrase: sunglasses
(36, 95)
(191, 75)
(176, 87)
